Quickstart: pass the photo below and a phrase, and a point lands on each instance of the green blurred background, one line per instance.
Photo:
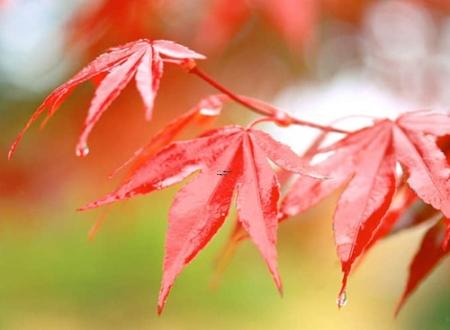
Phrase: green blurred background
(355, 57)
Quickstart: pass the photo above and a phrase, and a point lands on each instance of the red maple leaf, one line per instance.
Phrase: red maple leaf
(367, 160)
(347, 162)
(406, 210)
(428, 256)
(142, 59)
(229, 159)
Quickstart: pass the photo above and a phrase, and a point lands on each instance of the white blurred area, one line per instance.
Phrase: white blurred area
(32, 42)
(401, 62)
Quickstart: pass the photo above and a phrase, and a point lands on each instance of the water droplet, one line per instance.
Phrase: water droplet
(209, 111)
(341, 300)
(82, 151)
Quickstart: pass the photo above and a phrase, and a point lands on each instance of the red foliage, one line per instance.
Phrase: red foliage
(430, 253)
(231, 158)
(115, 68)
(234, 159)
(366, 160)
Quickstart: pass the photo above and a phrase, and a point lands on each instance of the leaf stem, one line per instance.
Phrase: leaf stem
(259, 107)
(196, 71)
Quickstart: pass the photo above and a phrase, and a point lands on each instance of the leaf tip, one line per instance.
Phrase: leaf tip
(399, 306)
(159, 309)
(163, 293)
(11, 152)
(13, 147)
(341, 299)
(280, 290)
(82, 150)
(91, 205)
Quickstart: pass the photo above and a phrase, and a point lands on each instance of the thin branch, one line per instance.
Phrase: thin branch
(258, 106)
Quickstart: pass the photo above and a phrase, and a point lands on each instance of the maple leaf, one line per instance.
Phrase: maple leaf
(397, 217)
(142, 58)
(428, 256)
(372, 153)
(304, 193)
(366, 159)
(407, 210)
(230, 159)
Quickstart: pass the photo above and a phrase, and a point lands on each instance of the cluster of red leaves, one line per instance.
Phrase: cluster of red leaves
(233, 160)
(230, 159)
(111, 72)
(376, 200)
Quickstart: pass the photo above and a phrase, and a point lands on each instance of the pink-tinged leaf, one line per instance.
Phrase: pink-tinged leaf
(437, 124)
(427, 167)
(282, 155)
(53, 101)
(227, 158)
(144, 82)
(105, 94)
(111, 72)
(338, 167)
(239, 234)
(307, 192)
(258, 194)
(354, 142)
(426, 259)
(365, 201)
(169, 166)
(157, 71)
(174, 50)
(198, 211)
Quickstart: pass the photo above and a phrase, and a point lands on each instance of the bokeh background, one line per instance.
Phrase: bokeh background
(320, 59)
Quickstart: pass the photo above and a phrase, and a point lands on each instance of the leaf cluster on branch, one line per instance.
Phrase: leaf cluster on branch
(394, 173)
